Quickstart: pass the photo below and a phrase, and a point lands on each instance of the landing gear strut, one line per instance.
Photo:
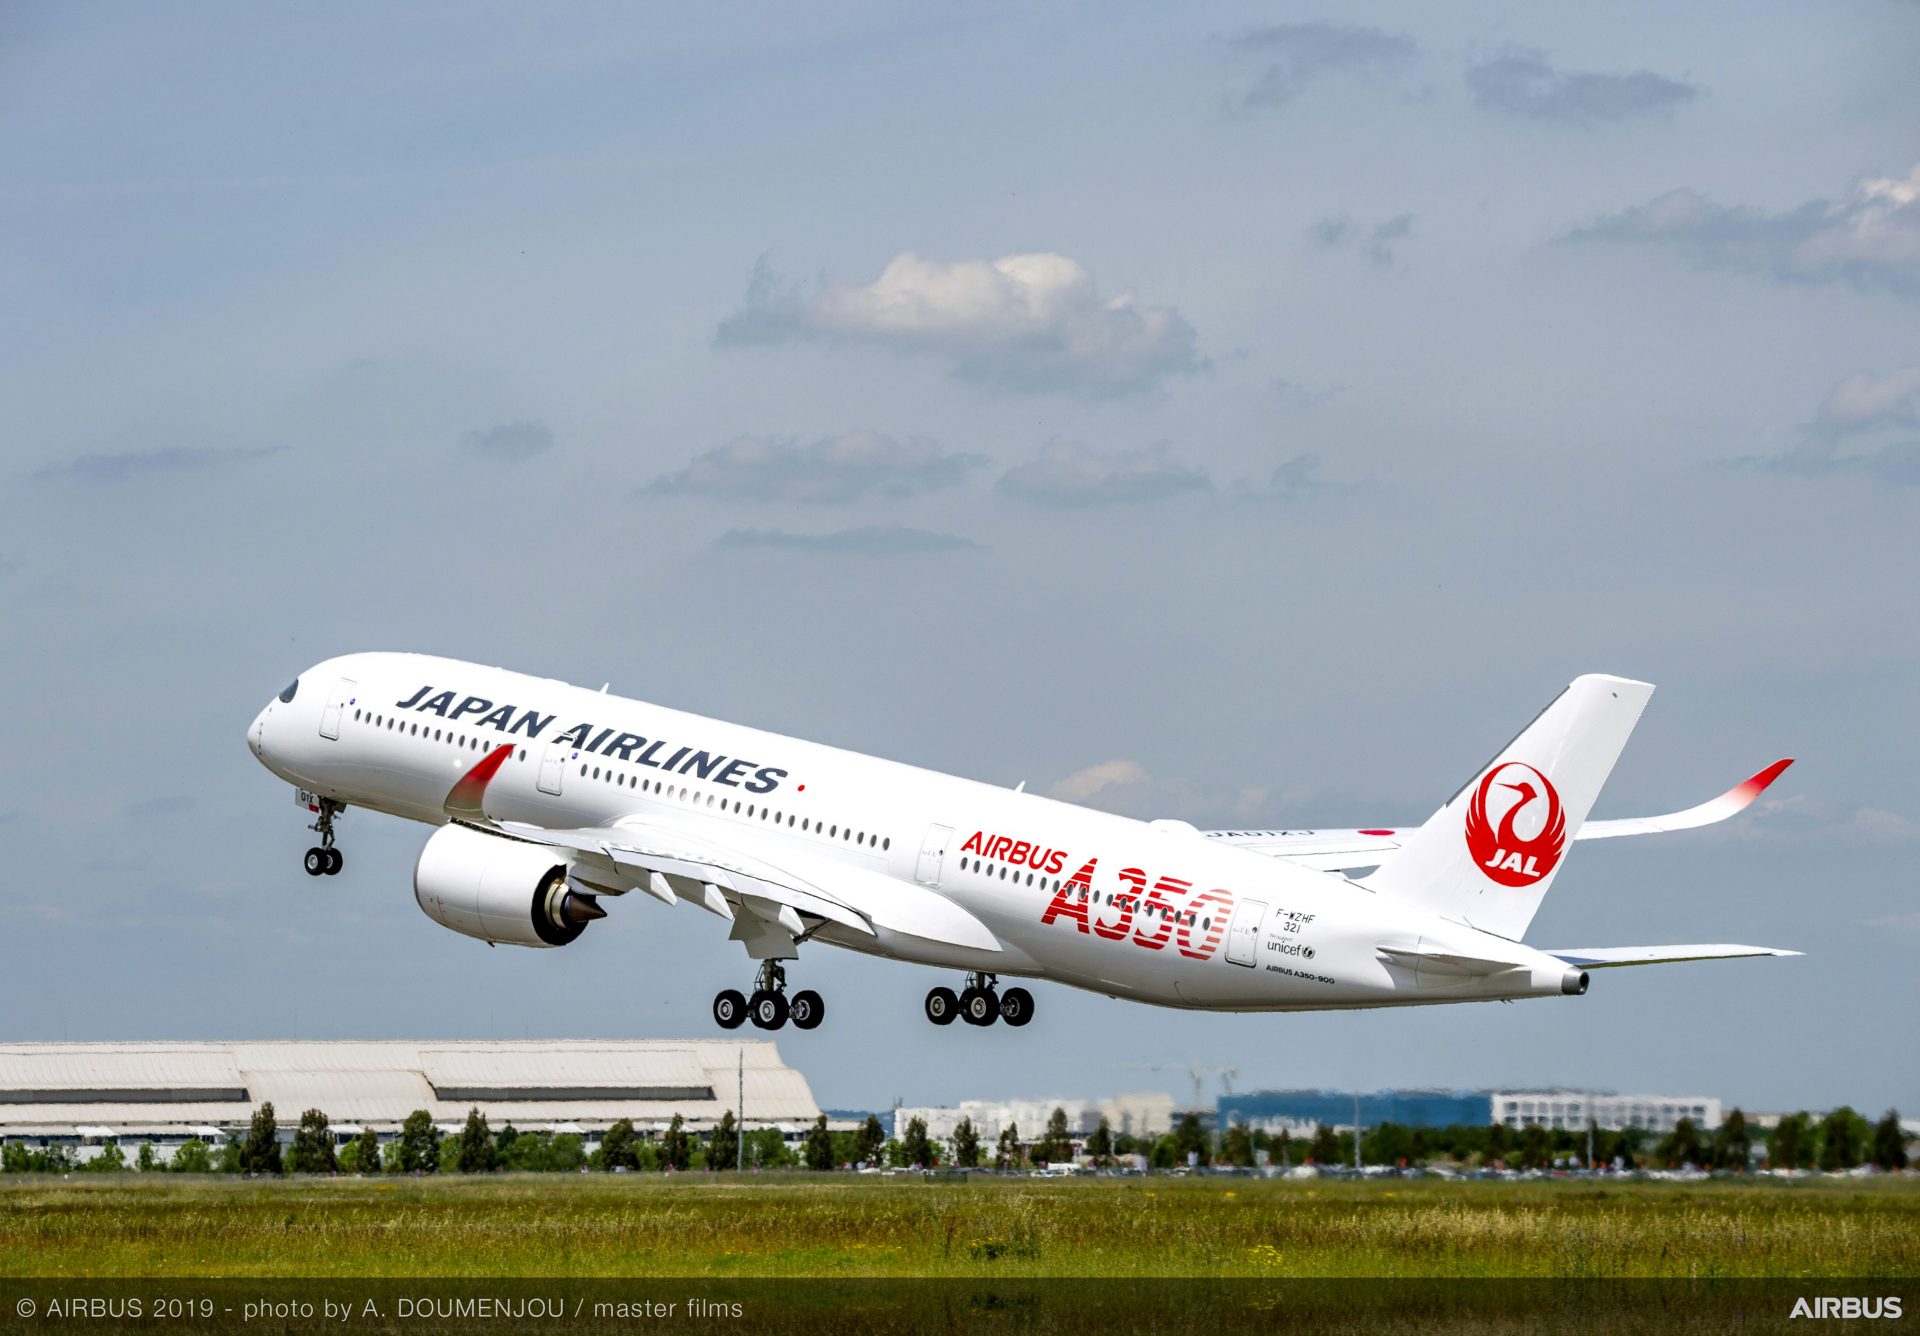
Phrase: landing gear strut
(769, 1008)
(980, 1003)
(323, 860)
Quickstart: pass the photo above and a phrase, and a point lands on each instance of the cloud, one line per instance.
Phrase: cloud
(172, 804)
(1067, 473)
(135, 465)
(1870, 239)
(509, 442)
(1302, 53)
(1864, 401)
(1126, 787)
(1860, 404)
(1895, 465)
(832, 468)
(1803, 818)
(1027, 322)
(1335, 233)
(1294, 478)
(871, 541)
(1520, 82)
(1087, 783)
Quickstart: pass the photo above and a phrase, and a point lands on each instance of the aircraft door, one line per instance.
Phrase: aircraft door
(344, 694)
(553, 764)
(1243, 934)
(933, 852)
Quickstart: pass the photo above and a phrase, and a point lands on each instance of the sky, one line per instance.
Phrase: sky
(1244, 414)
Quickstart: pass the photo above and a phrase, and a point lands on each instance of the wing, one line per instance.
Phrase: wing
(1344, 850)
(695, 859)
(771, 898)
(1735, 800)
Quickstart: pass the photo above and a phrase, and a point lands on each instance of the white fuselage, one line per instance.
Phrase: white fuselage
(1153, 912)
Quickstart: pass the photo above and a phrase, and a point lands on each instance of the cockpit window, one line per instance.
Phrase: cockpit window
(292, 687)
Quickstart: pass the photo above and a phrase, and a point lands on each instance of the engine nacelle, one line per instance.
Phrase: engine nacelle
(500, 890)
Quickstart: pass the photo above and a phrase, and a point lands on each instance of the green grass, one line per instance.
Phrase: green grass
(858, 1227)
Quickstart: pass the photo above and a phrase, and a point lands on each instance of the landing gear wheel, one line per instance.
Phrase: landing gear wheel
(979, 1006)
(943, 1004)
(335, 861)
(767, 1009)
(1016, 1006)
(729, 1009)
(806, 1009)
(317, 861)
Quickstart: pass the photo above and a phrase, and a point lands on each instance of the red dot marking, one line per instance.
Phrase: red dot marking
(801, 789)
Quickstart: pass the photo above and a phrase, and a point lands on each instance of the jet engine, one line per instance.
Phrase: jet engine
(500, 890)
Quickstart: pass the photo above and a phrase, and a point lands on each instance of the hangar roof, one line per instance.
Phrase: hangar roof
(168, 1087)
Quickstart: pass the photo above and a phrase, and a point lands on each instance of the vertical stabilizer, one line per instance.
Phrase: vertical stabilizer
(1488, 856)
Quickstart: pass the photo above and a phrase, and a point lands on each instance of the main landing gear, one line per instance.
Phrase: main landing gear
(769, 1008)
(323, 860)
(980, 1003)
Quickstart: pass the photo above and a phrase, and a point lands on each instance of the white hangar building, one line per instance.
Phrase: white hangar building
(82, 1093)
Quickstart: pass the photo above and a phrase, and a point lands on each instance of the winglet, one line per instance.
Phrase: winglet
(463, 800)
(1734, 801)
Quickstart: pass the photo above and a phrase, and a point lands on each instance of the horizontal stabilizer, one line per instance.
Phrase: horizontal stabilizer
(1611, 957)
(1446, 962)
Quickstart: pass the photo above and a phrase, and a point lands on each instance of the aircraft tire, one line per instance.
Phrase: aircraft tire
(979, 1006)
(729, 1009)
(767, 1009)
(316, 861)
(943, 1004)
(335, 861)
(806, 1009)
(1016, 1006)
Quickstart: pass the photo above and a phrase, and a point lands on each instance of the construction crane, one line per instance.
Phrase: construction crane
(1199, 1074)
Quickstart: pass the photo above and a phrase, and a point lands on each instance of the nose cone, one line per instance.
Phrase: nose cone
(257, 732)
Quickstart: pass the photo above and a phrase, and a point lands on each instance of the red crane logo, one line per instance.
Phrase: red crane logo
(1504, 853)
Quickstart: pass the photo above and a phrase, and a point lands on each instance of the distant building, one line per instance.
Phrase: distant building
(81, 1094)
(1612, 1113)
(1142, 1114)
(1298, 1112)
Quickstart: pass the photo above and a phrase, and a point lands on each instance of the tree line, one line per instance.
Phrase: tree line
(1839, 1141)
(421, 1148)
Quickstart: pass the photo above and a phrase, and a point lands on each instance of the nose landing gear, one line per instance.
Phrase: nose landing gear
(323, 860)
(769, 1008)
(980, 1003)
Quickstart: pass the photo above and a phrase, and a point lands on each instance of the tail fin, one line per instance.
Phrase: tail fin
(1488, 856)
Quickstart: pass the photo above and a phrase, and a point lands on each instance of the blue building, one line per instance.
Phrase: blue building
(1302, 1110)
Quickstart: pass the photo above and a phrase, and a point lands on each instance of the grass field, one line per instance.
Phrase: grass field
(857, 1227)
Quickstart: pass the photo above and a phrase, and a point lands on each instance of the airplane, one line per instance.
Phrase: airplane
(552, 800)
